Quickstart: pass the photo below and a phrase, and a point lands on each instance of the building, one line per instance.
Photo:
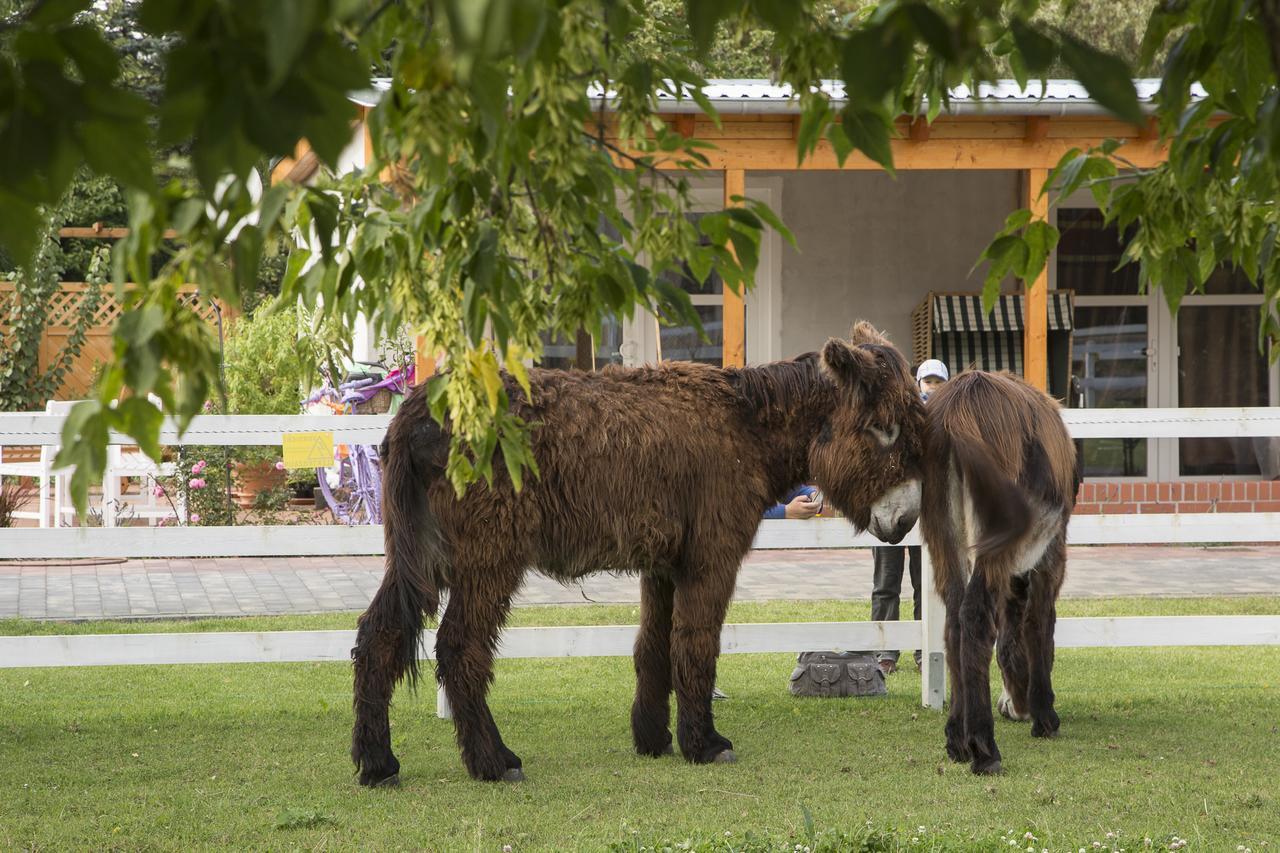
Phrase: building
(875, 247)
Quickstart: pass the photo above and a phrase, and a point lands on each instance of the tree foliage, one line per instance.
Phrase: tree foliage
(504, 202)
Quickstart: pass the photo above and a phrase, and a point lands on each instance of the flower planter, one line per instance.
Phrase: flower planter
(255, 478)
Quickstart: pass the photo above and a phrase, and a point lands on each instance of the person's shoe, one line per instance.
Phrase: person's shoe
(888, 666)
(717, 693)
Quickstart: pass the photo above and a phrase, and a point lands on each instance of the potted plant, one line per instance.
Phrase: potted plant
(264, 376)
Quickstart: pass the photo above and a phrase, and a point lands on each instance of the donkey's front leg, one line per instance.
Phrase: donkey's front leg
(701, 599)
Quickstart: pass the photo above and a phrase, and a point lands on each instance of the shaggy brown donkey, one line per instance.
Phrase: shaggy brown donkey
(1001, 483)
(663, 471)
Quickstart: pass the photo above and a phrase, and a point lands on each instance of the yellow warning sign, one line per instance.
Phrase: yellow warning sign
(307, 449)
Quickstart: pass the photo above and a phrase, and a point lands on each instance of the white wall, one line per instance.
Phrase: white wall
(872, 246)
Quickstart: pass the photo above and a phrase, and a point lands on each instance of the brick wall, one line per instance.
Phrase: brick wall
(1103, 498)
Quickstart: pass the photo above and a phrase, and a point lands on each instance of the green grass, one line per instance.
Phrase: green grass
(629, 614)
(1155, 743)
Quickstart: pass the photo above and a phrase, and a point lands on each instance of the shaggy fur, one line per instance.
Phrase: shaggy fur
(1001, 485)
(663, 471)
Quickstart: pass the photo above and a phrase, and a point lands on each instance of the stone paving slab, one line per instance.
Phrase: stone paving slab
(242, 586)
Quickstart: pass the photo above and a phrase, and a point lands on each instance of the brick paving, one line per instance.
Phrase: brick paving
(255, 586)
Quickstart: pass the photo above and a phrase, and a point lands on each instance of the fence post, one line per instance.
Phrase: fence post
(933, 678)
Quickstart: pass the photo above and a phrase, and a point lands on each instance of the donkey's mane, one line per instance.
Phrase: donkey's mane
(780, 387)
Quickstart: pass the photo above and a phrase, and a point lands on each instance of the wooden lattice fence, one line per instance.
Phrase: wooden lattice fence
(65, 307)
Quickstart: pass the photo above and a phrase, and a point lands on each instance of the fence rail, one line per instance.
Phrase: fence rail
(590, 641)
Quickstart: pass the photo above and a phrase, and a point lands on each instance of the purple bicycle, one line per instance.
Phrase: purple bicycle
(353, 486)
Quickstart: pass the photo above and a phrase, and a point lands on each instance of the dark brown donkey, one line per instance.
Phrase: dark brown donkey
(662, 471)
(1000, 485)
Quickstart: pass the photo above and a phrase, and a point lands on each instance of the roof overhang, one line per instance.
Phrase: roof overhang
(760, 97)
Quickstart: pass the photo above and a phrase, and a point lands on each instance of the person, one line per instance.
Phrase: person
(890, 560)
(800, 502)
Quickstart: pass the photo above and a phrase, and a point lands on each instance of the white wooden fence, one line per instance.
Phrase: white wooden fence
(595, 641)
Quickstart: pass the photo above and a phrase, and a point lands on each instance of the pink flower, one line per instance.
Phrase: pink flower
(158, 491)
(162, 522)
(279, 466)
(198, 483)
(198, 467)
(195, 518)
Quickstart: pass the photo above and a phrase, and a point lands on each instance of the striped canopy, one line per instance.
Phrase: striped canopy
(964, 337)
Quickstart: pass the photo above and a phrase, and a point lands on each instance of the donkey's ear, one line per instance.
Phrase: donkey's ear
(845, 364)
(865, 333)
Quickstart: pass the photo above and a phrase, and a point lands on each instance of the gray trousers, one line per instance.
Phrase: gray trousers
(886, 589)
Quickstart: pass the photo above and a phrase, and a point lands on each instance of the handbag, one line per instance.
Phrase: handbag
(837, 674)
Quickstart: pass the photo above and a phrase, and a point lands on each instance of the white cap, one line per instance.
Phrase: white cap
(932, 367)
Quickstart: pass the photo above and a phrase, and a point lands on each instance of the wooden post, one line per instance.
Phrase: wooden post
(735, 312)
(1035, 340)
(424, 363)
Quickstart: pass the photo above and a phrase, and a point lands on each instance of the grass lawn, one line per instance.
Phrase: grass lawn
(1158, 744)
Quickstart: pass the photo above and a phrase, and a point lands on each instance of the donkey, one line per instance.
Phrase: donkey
(1001, 482)
(661, 471)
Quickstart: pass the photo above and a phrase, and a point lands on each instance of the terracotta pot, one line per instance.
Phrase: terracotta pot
(256, 478)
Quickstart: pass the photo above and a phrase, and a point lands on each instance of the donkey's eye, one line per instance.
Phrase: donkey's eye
(885, 435)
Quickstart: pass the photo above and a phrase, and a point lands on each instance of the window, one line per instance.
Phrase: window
(1129, 350)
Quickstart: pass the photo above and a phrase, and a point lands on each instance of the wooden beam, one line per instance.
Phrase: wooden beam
(919, 129)
(1150, 130)
(294, 168)
(935, 154)
(98, 231)
(1035, 341)
(1037, 128)
(735, 312)
(686, 124)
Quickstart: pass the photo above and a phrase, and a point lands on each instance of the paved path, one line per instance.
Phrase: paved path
(244, 586)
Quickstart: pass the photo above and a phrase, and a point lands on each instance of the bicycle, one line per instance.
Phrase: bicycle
(352, 487)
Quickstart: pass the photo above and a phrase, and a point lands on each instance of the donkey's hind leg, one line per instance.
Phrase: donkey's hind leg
(465, 646)
(386, 648)
(702, 595)
(1037, 634)
(1011, 652)
(977, 636)
(651, 711)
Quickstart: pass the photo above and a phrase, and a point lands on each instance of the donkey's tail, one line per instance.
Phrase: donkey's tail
(1001, 506)
(416, 556)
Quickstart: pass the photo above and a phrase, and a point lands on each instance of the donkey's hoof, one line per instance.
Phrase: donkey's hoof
(668, 750)
(726, 756)
(513, 774)
(392, 781)
(991, 768)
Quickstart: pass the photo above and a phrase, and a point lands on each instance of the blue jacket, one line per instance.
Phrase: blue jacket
(780, 510)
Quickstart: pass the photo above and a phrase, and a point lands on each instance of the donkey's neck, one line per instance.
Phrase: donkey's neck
(785, 405)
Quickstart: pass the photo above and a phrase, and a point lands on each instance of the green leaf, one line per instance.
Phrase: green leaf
(703, 17)
(1041, 238)
(813, 115)
(771, 219)
(840, 143)
(872, 62)
(868, 130)
(287, 23)
(119, 149)
(1108, 79)
(933, 29)
(513, 453)
(139, 418)
(1037, 50)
